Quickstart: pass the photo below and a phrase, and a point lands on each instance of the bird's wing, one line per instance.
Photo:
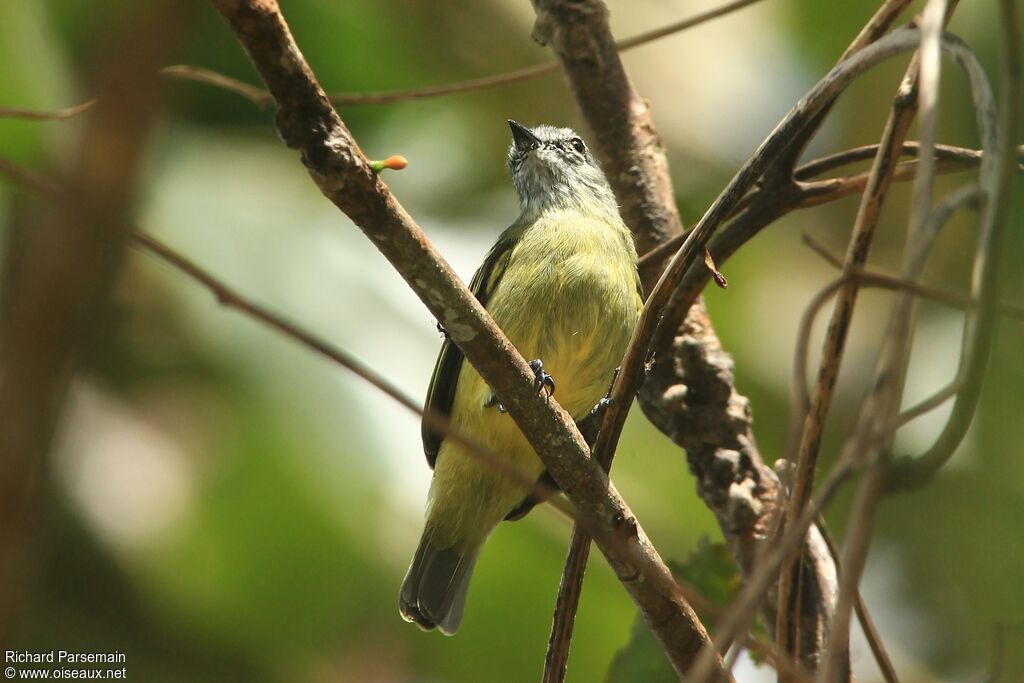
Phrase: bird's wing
(441, 393)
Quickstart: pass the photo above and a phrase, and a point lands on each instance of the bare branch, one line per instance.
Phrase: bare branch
(813, 423)
(626, 143)
(262, 97)
(185, 72)
(867, 624)
(969, 157)
(38, 115)
(61, 272)
(772, 202)
(738, 618)
(307, 122)
(979, 329)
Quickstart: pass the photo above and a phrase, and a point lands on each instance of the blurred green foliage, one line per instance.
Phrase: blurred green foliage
(224, 506)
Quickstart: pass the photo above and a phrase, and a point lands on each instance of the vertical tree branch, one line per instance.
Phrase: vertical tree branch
(62, 270)
(880, 178)
(580, 37)
(625, 141)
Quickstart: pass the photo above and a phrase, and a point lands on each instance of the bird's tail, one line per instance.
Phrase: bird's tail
(434, 591)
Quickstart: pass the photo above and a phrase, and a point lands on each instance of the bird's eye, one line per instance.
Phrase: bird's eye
(578, 145)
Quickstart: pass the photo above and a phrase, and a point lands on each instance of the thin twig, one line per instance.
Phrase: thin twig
(821, 192)
(39, 115)
(835, 342)
(197, 74)
(262, 98)
(878, 278)
(979, 328)
(867, 624)
(808, 194)
(829, 162)
(230, 298)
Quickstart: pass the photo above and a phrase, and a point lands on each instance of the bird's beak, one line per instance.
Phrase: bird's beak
(522, 137)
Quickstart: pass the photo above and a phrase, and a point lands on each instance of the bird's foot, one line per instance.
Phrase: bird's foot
(543, 381)
(601, 406)
(493, 401)
(606, 401)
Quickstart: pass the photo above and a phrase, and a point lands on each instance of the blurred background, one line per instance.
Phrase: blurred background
(223, 505)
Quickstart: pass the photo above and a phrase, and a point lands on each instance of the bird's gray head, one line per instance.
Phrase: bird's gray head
(553, 169)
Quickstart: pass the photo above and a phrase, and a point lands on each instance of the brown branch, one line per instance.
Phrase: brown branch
(867, 624)
(771, 202)
(806, 109)
(39, 115)
(980, 328)
(262, 98)
(59, 273)
(882, 168)
(197, 74)
(970, 158)
(738, 618)
(582, 49)
(307, 122)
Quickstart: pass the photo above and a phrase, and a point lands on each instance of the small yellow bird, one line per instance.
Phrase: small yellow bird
(562, 283)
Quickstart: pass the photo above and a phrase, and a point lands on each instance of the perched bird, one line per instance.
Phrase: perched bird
(562, 283)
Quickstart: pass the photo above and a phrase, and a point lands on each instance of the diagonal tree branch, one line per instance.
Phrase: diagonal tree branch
(307, 122)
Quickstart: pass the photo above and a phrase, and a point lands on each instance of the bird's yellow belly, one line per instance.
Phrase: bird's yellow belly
(575, 311)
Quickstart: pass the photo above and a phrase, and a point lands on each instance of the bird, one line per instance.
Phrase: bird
(562, 284)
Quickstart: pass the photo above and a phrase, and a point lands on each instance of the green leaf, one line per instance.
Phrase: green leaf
(711, 570)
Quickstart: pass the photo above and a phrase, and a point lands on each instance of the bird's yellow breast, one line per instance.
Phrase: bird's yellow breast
(568, 295)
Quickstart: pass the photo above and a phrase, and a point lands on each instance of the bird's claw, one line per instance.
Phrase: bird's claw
(606, 401)
(542, 380)
(601, 406)
(493, 401)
